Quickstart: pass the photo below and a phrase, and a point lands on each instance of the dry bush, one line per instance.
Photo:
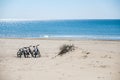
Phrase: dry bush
(66, 48)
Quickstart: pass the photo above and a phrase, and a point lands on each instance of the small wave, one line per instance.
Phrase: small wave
(45, 36)
(100, 37)
(97, 37)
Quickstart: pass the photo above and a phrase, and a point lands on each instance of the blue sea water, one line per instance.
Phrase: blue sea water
(84, 29)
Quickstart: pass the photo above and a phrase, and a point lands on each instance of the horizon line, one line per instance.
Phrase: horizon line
(57, 19)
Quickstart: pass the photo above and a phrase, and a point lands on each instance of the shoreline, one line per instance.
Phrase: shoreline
(73, 39)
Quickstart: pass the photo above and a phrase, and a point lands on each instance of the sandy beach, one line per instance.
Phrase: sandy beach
(102, 62)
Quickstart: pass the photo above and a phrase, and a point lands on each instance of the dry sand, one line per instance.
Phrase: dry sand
(101, 64)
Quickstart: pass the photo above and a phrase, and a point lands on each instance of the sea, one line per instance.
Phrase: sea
(106, 29)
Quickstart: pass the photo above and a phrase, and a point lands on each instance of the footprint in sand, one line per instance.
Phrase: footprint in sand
(100, 77)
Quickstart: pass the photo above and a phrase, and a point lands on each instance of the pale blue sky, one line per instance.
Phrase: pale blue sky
(59, 9)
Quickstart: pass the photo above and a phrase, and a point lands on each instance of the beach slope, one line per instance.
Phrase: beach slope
(91, 60)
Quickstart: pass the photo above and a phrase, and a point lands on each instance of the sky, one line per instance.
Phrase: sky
(59, 9)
